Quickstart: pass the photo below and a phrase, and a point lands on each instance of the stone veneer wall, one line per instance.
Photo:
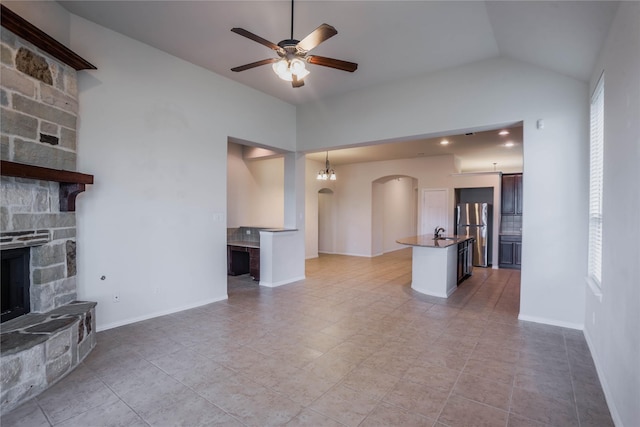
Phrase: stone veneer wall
(38, 96)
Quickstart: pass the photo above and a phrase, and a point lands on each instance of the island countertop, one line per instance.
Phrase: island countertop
(427, 241)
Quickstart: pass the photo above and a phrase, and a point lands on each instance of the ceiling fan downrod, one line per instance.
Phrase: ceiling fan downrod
(291, 19)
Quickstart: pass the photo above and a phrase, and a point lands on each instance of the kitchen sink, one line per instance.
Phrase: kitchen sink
(445, 238)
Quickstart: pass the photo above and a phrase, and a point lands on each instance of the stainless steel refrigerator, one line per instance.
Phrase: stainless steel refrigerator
(474, 219)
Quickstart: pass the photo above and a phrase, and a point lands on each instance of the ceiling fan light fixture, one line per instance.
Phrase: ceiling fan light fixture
(302, 74)
(293, 54)
(281, 68)
(298, 68)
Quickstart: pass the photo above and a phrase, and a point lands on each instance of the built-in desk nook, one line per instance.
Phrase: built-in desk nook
(244, 248)
(243, 251)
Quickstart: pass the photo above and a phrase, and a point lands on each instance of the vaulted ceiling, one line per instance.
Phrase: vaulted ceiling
(389, 40)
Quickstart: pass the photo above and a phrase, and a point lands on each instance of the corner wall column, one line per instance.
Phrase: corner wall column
(282, 254)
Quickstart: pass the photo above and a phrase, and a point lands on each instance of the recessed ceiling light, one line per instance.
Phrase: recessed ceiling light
(509, 144)
(444, 142)
(503, 132)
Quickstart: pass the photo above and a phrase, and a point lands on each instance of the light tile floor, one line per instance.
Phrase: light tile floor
(352, 345)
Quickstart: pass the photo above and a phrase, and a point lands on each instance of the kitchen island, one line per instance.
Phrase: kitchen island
(439, 264)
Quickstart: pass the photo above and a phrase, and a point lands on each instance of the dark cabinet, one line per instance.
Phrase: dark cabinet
(465, 260)
(254, 263)
(243, 260)
(512, 194)
(510, 253)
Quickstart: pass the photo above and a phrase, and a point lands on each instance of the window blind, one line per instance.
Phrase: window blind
(596, 159)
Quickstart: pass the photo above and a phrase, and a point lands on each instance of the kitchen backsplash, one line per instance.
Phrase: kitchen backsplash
(244, 234)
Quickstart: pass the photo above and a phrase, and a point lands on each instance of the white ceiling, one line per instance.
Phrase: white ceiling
(477, 151)
(390, 40)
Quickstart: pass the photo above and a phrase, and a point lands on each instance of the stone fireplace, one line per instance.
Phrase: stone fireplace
(16, 283)
(30, 220)
(39, 101)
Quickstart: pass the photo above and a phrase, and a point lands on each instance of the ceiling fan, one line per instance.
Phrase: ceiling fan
(290, 65)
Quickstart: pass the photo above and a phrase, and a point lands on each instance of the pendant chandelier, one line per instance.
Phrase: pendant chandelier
(327, 173)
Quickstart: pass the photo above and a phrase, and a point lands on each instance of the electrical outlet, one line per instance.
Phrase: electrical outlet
(248, 231)
(116, 297)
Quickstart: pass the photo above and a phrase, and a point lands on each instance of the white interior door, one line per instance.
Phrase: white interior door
(435, 210)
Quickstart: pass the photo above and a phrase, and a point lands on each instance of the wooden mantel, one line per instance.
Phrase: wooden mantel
(22, 28)
(71, 183)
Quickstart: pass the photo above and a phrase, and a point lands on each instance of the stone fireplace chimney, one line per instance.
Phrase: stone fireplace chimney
(39, 112)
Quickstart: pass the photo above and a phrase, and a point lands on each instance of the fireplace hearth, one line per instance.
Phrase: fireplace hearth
(15, 283)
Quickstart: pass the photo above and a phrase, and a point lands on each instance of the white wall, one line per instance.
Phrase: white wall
(491, 92)
(48, 16)
(611, 324)
(326, 221)
(153, 130)
(399, 207)
(255, 190)
(312, 186)
(358, 212)
(377, 218)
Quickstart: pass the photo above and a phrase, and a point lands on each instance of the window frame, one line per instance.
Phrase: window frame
(596, 181)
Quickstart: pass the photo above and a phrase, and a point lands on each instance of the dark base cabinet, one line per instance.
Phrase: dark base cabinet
(243, 260)
(465, 260)
(510, 252)
(254, 263)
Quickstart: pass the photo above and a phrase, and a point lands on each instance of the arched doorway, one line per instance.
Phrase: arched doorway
(394, 212)
(326, 221)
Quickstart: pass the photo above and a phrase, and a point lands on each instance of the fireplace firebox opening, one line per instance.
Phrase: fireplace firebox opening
(15, 283)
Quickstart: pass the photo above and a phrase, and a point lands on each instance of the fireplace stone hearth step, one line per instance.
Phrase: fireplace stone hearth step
(38, 349)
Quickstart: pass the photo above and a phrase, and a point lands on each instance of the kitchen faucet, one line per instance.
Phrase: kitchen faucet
(436, 233)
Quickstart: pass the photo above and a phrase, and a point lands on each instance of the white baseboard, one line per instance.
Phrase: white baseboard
(545, 321)
(282, 282)
(603, 382)
(350, 254)
(433, 294)
(158, 314)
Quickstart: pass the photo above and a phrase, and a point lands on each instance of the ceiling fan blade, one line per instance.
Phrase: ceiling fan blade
(333, 63)
(255, 64)
(297, 83)
(256, 38)
(317, 36)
